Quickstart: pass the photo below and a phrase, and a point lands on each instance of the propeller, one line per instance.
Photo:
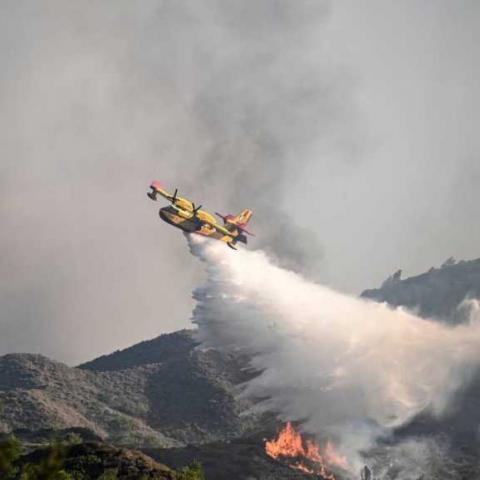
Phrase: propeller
(195, 209)
(195, 218)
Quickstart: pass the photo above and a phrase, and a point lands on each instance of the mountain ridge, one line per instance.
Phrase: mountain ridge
(179, 395)
(437, 293)
(176, 401)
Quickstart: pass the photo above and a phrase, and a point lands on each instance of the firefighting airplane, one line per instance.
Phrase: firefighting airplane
(183, 214)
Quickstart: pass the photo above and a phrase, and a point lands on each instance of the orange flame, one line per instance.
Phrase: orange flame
(306, 454)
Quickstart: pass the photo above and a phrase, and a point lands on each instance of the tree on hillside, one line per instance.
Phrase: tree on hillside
(10, 451)
(49, 468)
(192, 472)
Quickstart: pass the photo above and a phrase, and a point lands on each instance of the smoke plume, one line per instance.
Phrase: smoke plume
(338, 364)
(328, 119)
(229, 101)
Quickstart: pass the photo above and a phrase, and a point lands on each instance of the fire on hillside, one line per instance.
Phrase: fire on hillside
(305, 454)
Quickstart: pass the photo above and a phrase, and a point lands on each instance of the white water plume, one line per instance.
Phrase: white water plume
(328, 359)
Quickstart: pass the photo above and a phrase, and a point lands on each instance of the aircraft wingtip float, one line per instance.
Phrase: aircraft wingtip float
(183, 214)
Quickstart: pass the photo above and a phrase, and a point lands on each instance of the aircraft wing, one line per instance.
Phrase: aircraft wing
(157, 189)
(219, 228)
(176, 201)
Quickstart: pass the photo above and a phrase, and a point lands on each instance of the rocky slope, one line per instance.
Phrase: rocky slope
(239, 459)
(163, 392)
(93, 460)
(436, 293)
(179, 404)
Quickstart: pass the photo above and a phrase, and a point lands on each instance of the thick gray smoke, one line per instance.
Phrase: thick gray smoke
(341, 365)
(221, 99)
(348, 127)
(274, 107)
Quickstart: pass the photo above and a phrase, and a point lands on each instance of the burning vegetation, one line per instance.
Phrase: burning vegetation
(305, 454)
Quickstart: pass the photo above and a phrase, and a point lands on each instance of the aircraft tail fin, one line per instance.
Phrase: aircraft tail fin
(237, 222)
(242, 218)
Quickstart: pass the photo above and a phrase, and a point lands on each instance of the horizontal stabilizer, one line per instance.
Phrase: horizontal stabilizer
(237, 221)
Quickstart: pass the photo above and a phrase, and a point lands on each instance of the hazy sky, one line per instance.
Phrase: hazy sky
(353, 121)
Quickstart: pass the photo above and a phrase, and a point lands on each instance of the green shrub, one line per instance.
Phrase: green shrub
(50, 468)
(192, 472)
(10, 450)
(110, 474)
(73, 439)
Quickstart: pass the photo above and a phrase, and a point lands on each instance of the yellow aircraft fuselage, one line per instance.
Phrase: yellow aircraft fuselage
(183, 214)
(183, 220)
